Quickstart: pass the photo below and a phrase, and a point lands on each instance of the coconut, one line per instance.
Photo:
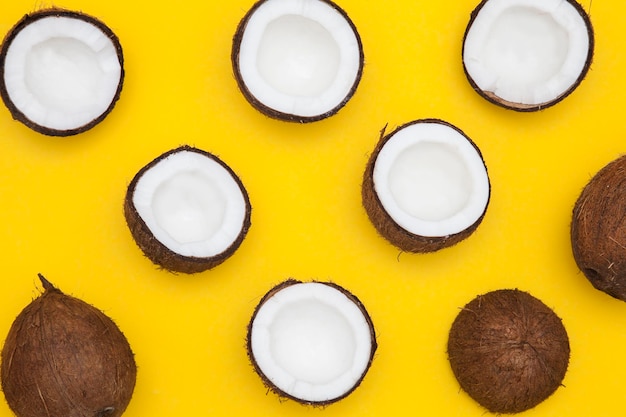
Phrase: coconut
(527, 55)
(297, 60)
(508, 350)
(187, 210)
(64, 357)
(312, 342)
(425, 186)
(61, 72)
(598, 229)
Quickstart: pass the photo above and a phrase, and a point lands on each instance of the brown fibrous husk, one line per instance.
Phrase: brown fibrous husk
(63, 357)
(269, 111)
(58, 12)
(521, 107)
(382, 221)
(508, 350)
(598, 229)
(160, 254)
(266, 381)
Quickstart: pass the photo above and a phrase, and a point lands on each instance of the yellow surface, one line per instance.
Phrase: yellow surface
(62, 210)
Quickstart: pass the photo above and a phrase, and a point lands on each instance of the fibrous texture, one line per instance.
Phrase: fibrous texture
(508, 350)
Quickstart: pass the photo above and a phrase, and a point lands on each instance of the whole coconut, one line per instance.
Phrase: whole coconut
(598, 229)
(65, 358)
(508, 350)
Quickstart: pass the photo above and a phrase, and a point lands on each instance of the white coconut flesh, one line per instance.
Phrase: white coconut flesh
(311, 341)
(527, 51)
(62, 72)
(299, 57)
(191, 204)
(431, 180)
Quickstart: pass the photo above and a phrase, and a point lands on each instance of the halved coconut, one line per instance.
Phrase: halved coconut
(312, 342)
(425, 186)
(61, 72)
(187, 210)
(526, 55)
(297, 60)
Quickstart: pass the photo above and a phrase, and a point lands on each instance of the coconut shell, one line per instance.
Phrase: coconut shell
(57, 12)
(160, 254)
(508, 351)
(598, 229)
(382, 221)
(521, 107)
(266, 381)
(65, 358)
(269, 111)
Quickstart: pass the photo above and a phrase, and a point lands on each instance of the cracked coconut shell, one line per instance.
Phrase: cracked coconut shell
(508, 351)
(65, 358)
(598, 230)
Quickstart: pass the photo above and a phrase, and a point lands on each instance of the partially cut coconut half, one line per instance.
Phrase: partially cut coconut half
(187, 210)
(312, 342)
(61, 72)
(297, 60)
(425, 186)
(526, 55)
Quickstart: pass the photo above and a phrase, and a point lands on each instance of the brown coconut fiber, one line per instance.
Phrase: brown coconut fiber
(598, 230)
(508, 351)
(65, 358)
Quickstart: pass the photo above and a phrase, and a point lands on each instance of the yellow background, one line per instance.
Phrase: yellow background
(62, 215)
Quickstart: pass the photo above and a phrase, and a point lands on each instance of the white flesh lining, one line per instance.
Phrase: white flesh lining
(68, 114)
(508, 88)
(279, 305)
(338, 28)
(192, 162)
(452, 140)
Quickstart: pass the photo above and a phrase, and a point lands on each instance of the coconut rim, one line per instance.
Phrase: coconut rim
(25, 21)
(521, 107)
(285, 115)
(412, 233)
(154, 245)
(267, 381)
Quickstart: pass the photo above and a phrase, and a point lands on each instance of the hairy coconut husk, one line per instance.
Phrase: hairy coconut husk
(508, 351)
(160, 254)
(598, 229)
(382, 221)
(57, 12)
(65, 358)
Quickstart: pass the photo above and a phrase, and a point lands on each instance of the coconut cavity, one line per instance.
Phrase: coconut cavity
(598, 229)
(61, 72)
(187, 210)
(425, 186)
(299, 60)
(64, 357)
(312, 342)
(508, 351)
(526, 55)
